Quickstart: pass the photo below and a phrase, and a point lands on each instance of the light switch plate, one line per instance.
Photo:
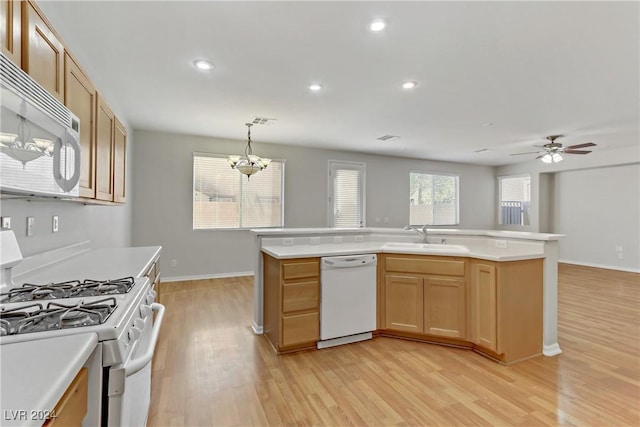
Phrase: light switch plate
(30, 222)
(6, 222)
(54, 224)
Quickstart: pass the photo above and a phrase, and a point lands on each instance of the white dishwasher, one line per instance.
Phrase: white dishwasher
(347, 299)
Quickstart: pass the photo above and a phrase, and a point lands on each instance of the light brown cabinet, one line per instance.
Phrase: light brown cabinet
(119, 162)
(404, 303)
(507, 308)
(10, 30)
(105, 132)
(42, 51)
(431, 301)
(72, 407)
(445, 306)
(291, 302)
(80, 98)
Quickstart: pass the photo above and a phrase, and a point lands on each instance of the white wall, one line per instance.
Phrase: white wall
(162, 209)
(576, 197)
(599, 210)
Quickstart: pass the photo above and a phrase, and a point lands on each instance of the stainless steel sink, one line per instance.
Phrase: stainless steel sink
(426, 247)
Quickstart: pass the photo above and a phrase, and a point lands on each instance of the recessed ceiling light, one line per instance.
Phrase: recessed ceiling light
(203, 64)
(409, 85)
(377, 25)
(315, 87)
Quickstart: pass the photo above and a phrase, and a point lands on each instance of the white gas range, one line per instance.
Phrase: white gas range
(106, 292)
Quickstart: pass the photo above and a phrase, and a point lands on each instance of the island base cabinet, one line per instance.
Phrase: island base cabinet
(507, 308)
(291, 302)
(444, 307)
(299, 329)
(404, 303)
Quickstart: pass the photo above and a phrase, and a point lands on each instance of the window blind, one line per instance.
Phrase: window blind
(348, 194)
(224, 198)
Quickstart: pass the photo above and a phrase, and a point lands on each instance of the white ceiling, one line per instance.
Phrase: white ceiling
(531, 69)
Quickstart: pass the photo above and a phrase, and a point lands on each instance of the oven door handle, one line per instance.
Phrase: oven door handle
(138, 363)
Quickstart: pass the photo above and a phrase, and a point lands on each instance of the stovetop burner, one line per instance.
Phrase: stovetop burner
(74, 288)
(35, 318)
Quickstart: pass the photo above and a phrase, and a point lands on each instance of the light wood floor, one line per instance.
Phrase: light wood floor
(210, 369)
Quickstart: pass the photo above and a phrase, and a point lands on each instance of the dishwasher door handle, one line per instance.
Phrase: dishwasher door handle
(349, 261)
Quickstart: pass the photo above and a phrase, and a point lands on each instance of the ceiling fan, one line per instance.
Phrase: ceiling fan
(553, 150)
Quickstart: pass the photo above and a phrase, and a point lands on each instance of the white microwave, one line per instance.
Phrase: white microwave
(39, 138)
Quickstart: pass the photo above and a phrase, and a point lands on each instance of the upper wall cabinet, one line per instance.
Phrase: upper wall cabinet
(119, 162)
(80, 98)
(10, 30)
(105, 125)
(42, 51)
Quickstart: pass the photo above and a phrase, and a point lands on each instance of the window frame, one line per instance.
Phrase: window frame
(360, 166)
(447, 174)
(499, 179)
(242, 176)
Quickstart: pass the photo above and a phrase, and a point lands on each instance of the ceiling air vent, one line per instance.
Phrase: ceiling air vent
(263, 121)
(388, 138)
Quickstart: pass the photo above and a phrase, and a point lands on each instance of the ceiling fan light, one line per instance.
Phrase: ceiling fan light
(547, 158)
(556, 157)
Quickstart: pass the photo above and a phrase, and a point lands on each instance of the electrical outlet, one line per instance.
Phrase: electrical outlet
(54, 224)
(6, 222)
(287, 242)
(174, 263)
(337, 239)
(501, 243)
(30, 222)
(314, 240)
(359, 238)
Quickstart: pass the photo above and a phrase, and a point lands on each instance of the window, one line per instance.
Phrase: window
(515, 199)
(224, 198)
(433, 199)
(346, 194)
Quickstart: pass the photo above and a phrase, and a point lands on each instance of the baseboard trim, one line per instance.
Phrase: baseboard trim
(206, 276)
(551, 350)
(606, 267)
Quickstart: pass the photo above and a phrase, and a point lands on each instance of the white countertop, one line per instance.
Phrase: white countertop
(354, 248)
(97, 264)
(31, 383)
(273, 232)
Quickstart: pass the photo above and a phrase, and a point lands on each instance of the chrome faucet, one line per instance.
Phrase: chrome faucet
(421, 231)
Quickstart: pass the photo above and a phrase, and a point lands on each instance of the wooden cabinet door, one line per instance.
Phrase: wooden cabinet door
(10, 30)
(105, 125)
(444, 307)
(404, 303)
(80, 98)
(300, 329)
(485, 305)
(119, 162)
(42, 51)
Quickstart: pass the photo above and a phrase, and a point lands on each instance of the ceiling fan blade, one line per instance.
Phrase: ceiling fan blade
(586, 144)
(576, 151)
(530, 152)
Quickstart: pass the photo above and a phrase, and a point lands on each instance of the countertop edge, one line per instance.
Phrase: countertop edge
(78, 346)
(471, 254)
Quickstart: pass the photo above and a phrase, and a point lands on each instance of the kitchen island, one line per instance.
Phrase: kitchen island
(494, 263)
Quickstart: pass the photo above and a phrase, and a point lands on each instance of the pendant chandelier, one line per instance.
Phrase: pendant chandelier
(249, 164)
